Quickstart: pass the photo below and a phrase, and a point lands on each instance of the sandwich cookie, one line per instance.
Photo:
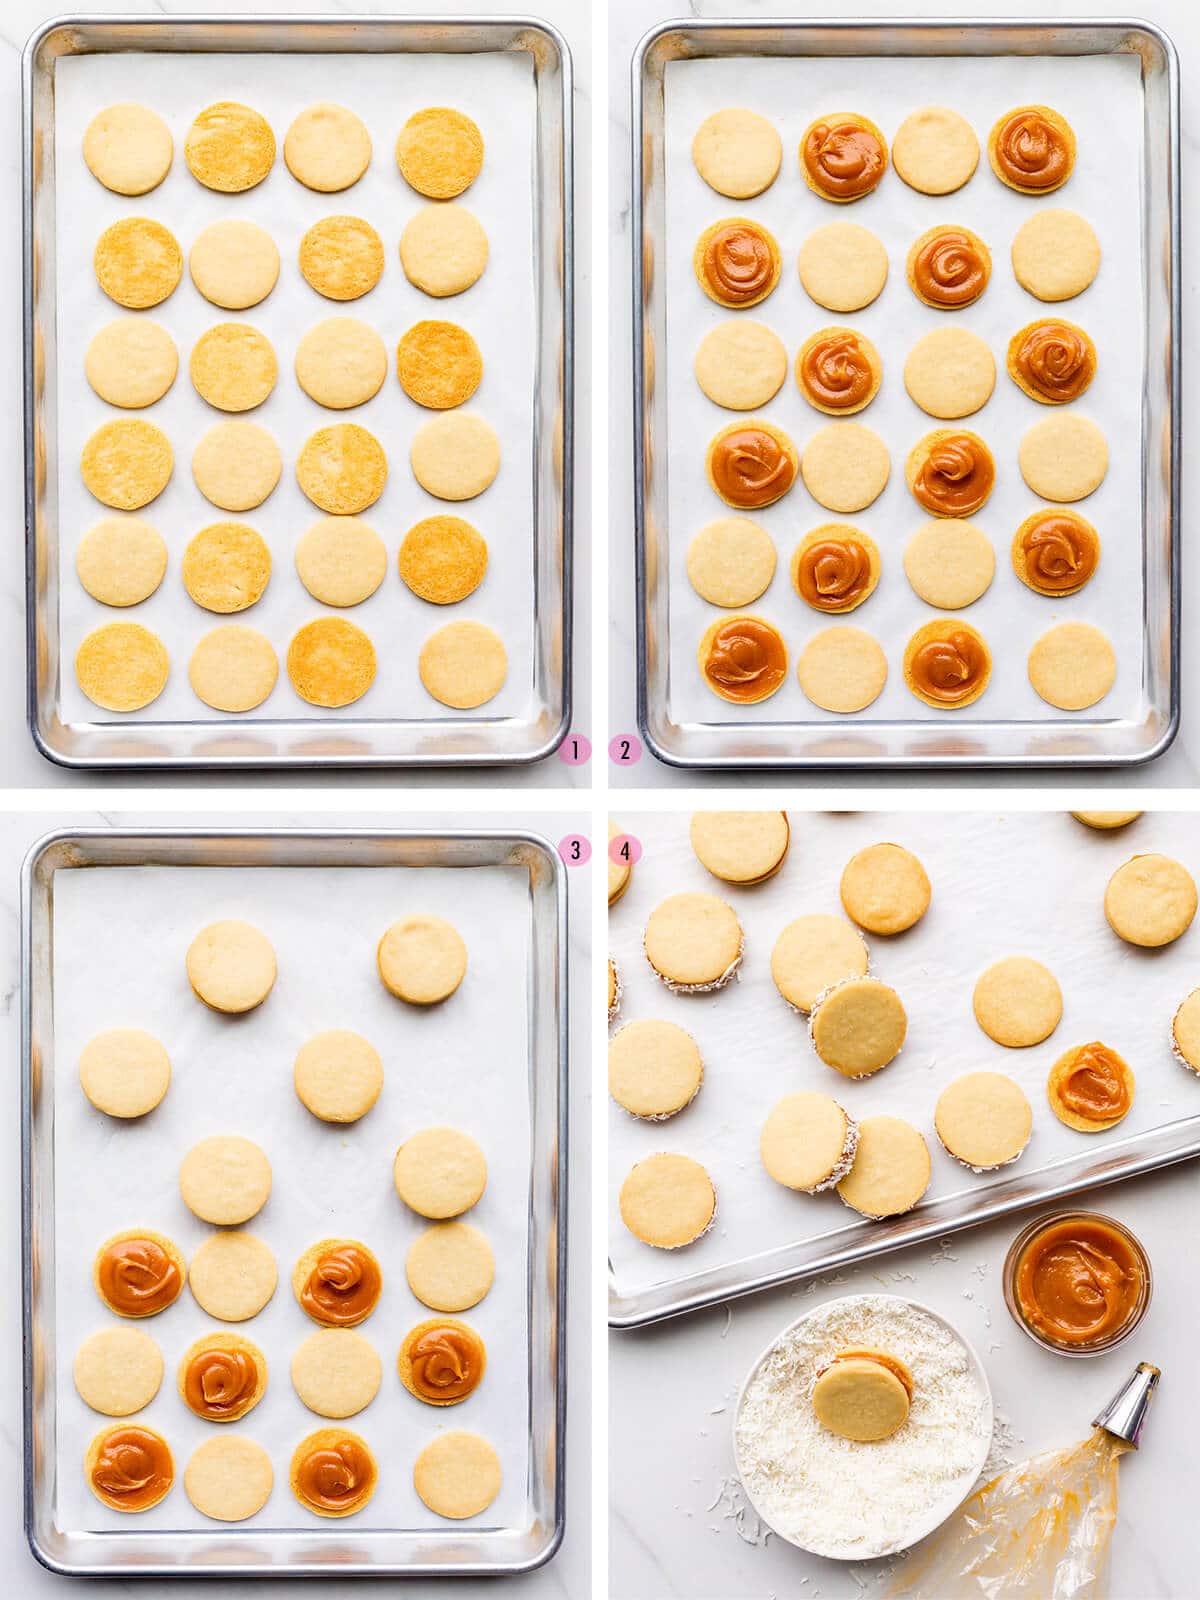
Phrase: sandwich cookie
(231, 966)
(422, 960)
(654, 1069)
(693, 943)
(1090, 1088)
(124, 1072)
(743, 847)
(225, 1179)
(891, 1170)
(812, 954)
(862, 1395)
(983, 1120)
(1017, 1002)
(620, 867)
(857, 1026)
(1185, 1031)
(668, 1201)
(1105, 820)
(338, 1075)
(885, 889)
(808, 1142)
(1150, 901)
(614, 992)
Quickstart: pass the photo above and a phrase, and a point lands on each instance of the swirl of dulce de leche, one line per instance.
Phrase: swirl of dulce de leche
(745, 660)
(220, 1383)
(738, 262)
(1060, 552)
(950, 269)
(137, 1277)
(843, 159)
(336, 1477)
(750, 467)
(1094, 1086)
(956, 475)
(949, 670)
(132, 1468)
(447, 1362)
(832, 573)
(1031, 151)
(1055, 359)
(836, 371)
(343, 1286)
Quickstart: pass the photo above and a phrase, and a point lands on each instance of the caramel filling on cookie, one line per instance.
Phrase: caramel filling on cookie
(950, 269)
(447, 1362)
(1055, 360)
(1094, 1086)
(738, 263)
(836, 371)
(336, 1477)
(891, 1364)
(138, 1277)
(746, 660)
(751, 468)
(1078, 1281)
(219, 1383)
(1032, 152)
(343, 1287)
(1060, 553)
(842, 159)
(832, 573)
(132, 1470)
(956, 476)
(949, 669)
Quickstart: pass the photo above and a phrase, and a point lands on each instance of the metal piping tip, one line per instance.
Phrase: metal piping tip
(1126, 1411)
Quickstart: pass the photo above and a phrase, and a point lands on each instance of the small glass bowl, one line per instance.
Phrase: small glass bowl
(1099, 1346)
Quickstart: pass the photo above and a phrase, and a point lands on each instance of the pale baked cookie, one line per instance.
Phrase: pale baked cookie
(341, 257)
(341, 561)
(128, 148)
(741, 364)
(845, 466)
(131, 363)
(737, 152)
(129, 1468)
(222, 1377)
(225, 1179)
(443, 250)
(226, 567)
(1185, 1034)
(857, 1026)
(1017, 1002)
(891, 1170)
(234, 264)
(236, 465)
(1055, 551)
(443, 559)
(935, 150)
(984, 1120)
(731, 562)
(843, 157)
(808, 1142)
(619, 871)
(229, 1478)
(1055, 254)
(338, 1075)
(127, 463)
(1063, 457)
(438, 365)
(450, 1267)
(233, 668)
(124, 1072)
(842, 669)
(668, 1201)
(950, 472)
(1150, 901)
(1032, 150)
(233, 1275)
(333, 1473)
(948, 268)
(327, 148)
(342, 469)
(138, 1273)
(843, 267)
(751, 464)
(331, 662)
(441, 1361)
(885, 889)
(1052, 361)
(138, 262)
(654, 1069)
(1106, 819)
(740, 846)
(233, 366)
(457, 1475)
(463, 665)
(337, 1282)
(231, 966)
(439, 152)
(862, 1395)
(614, 992)
(455, 456)
(421, 959)
(229, 147)
(947, 664)
(949, 563)
(1072, 666)
(838, 371)
(950, 372)
(737, 262)
(835, 567)
(812, 954)
(336, 1372)
(118, 1371)
(1090, 1088)
(341, 363)
(440, 1173)
(122, 666)
(121, 561)
(693, 942)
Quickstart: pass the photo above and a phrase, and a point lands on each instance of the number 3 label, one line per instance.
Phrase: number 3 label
(575, 849)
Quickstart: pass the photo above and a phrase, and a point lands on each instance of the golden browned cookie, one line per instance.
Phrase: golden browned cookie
(457, 1475)
(118, 1371)
(1072, 665)
(1055, 551)
(1150, 901)
(443, 559)
(439, 152)
(1032, 150)
(949, 268)
(331, 662)
(885, 888)
(1052, 360)
(843, 157)
(138, 262)
(226, 567)
(233, 366)
(949, 563)
(122, 666)
(947, 664)
(127, 463)
(891, 1170)
(342, 469)
(229, 147)
(737, 152)
(668, 1200)
(341, 257)
(835, 567)
(438, 364)
(463, 664)
(838, 371)
(935, 150)
(737, 262)
(842, 669)
(862, 1396)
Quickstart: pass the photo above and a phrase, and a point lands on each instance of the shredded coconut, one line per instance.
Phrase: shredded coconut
(614, 1010)
(703, 988)
(844, 1162)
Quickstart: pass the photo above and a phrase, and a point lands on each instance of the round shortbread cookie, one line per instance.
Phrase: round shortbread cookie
(236, 465)
(331, 662)
(1106, 819)
(843, 266)
(229, 147)
(845, 466)
(654, 1069)
(122, 666)
(327, 148)
(984, 1120)
(221, 1377)
(737, 152)
(891, 1170)
(861, 1397)
(127, 463)
(1017, 1002)
(885, 889)
(1072, 666)
(693, 942)
(443, 250)
(121, 561)
(947, 664)
(129, 1468)
(1063, 457)
(620, 868)
(1105, 1077)
(813, 953)
(935, 150)
(450, 1266)
(439, 1173)
(225, 1179)
(949, 563)
(231, 966)
(443, 559)
(338, 1075)
(132, 362)
(457, 1475)
(950, 372)
(226, 567)
(842, 669)
(341, 561)
(342, 469)
(341, 363)
(128, 148)
(336, 1372)
(1032, 150)
(138, 1273)
(233, 1275)
(740, 846)
(124, 1072)
(808, 1142)
(341, 257)
(741, 364)
(1055, 254)
(731, 562)
(233, 366)
(439, 152)
(668, 1201)
(438, 364)
(421, 959)
(858, 1026)
(455, 456)
(229, 1478)
(118, 1371)
(1150, 901)
(835, 568)
(1185, 1036)
(138, 262)
(234, 264)
(233, 668)
(737, 262)
(463, 665)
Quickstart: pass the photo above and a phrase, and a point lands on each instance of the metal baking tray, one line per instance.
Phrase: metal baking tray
(862, 742)
(336, 1550)
(227, 743)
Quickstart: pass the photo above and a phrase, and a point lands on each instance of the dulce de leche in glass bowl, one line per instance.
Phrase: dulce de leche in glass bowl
(1076, 1282)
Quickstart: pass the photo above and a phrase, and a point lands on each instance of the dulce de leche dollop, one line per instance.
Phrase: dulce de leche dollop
(833, 573)
(1060, 551)
(1055, 359)
(342, 1287)
(738, 262)
(137, 1276)
(1031, 151)
(1079, 1280)
(949, 669)
(1094, 1083)
(443, 1361)
(750, 466)
(130, 1468)
(843, 159)
(950, 268)
(744, 659)
(956, 475)
(333, 1473)
(219, 1384)
(835, 371)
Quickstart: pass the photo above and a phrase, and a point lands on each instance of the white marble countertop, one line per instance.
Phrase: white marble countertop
(629, 20)
(569, 1573)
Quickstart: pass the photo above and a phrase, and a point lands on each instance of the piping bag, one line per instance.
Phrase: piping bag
(1041, 1530)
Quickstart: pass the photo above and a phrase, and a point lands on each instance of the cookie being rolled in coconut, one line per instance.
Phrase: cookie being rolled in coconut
(862, 1395)
(615, 992)
(857, 1026)
(984, 1120)
(654, 1069)
(1185, 1032)
(694, 943)
(808, 1142)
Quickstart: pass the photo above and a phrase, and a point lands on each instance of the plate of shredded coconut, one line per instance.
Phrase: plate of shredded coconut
(851, 1501)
